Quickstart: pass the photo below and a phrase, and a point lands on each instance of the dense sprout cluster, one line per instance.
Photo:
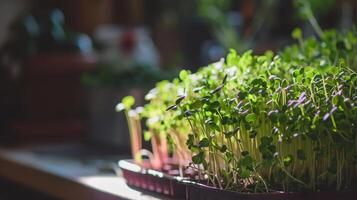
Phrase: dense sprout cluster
(271, 122)
(164, 129)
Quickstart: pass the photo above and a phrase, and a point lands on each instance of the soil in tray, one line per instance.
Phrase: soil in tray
(196, 191)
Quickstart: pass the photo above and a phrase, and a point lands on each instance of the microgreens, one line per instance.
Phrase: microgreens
(284, 122)
(261, 123)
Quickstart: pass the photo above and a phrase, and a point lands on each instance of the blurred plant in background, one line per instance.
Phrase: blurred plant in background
(226, 24)
(126, 57)
(318, 7)
(43, 33)
(308, 9)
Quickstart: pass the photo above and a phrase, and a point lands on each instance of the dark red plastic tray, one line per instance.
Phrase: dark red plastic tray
(197, 191)
(183, 188)
(152, 180)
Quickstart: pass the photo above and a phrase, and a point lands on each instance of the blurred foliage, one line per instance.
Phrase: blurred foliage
(213, 11)
(318, 7)
(215, 14)
(308, 9)
(33, 33)
(226, 23)
(138, 75)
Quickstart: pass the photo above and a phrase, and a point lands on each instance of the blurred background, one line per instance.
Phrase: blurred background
(64, 64)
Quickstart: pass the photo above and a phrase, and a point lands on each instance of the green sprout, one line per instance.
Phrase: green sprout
(248, 123)
(134, 125)
(284, 122)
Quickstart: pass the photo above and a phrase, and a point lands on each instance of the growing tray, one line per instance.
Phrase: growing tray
(152, 180)
(197, 191)
(182, 188)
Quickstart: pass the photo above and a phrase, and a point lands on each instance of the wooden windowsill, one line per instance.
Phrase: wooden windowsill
(64, 178)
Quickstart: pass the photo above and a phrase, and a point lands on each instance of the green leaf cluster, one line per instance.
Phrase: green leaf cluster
(278, 122)
(269, 122)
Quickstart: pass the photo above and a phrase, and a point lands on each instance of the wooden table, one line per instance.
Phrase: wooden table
(63, 177)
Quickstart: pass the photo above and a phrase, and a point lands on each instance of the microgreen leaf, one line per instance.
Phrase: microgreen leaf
(288, 160)
(172, 107)
(179, 99)
(223, 148)
(204, 143)
(296, 34)
(217, 89)
(250, 118)
(198, 158)
(126, 103)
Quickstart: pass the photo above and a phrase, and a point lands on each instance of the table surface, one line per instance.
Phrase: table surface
(66, 177)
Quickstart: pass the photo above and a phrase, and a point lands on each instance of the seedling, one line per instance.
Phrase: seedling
(284, 122)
